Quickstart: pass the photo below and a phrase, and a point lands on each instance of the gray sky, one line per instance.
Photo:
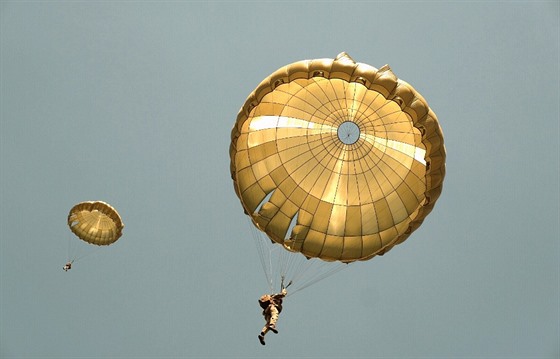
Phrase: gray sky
(133, 102)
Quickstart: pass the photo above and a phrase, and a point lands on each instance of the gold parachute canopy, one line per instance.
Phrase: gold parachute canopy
(95, 222)
(336, 159)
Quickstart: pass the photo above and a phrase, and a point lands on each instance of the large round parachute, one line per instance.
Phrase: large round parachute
(95, 222)
(336, 159)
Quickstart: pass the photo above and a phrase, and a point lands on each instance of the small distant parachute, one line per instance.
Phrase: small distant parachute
(95, 222)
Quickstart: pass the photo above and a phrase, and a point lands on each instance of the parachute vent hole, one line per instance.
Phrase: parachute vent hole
(318, 73)
(348, 132)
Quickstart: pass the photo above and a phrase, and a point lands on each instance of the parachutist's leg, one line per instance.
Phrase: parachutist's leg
(273, 319)
(264, 329)
(268, 319)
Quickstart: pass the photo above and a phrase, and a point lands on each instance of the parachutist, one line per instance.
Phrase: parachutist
(272, 306)
(94, 222)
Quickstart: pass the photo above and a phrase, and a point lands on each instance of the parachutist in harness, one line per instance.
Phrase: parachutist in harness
(272, 307)
(68, 266)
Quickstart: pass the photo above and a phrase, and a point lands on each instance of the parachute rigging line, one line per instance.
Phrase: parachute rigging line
(78, 250)
(290, 268)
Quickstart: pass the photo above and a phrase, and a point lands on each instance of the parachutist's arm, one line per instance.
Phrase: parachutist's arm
(280, 295)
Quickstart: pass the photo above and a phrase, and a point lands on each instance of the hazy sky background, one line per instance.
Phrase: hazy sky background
(133, 102)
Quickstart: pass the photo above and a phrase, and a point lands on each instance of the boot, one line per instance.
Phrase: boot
(261, 339)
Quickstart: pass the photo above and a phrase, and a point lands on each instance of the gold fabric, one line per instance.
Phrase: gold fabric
(337, 159)
(95, 222)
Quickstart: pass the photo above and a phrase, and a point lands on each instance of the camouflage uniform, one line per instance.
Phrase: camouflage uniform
(272, 307)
